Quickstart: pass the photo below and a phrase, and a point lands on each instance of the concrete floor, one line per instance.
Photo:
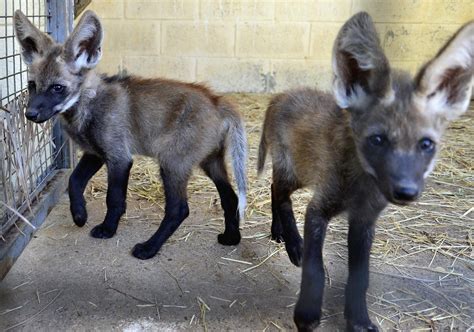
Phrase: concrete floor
(67, 280)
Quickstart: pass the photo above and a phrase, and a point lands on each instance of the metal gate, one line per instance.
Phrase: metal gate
(34, 159)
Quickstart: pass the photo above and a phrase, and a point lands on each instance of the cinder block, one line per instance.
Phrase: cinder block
(237, 10)
(290, 74)
(273, 40)
(162, 9)
(450, 11)
(233, 75)
(413, 42)
(197, 38)
(411, 67)
(413, 11)
(313, 10)
(322, 39)
(157, 66)
(108, 8)
(110, 64)
(132, 37)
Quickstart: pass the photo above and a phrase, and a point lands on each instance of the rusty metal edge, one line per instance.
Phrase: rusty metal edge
(15, 242)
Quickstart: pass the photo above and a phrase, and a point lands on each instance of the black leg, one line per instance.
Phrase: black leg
(214, 167)
(282, 208)
(308, 308)
(277, 229)
(118, 173)
(84, 171)
(361, 232)
(176, 210)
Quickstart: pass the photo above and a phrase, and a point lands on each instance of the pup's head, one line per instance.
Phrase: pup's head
(56, 72)
(397, 121)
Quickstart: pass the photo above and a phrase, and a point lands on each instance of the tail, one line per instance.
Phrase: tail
(237, 142)
(262, 153)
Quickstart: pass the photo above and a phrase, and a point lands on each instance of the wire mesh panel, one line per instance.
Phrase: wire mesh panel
(29, 152)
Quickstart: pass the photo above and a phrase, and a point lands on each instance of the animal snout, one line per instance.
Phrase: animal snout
(406, 191)
(32, 114)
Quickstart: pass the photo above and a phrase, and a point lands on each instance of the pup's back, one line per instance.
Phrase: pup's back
(307, 135)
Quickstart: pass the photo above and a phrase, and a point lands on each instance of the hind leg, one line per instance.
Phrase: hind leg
(283, 222)
(214, 167)
(176, 210)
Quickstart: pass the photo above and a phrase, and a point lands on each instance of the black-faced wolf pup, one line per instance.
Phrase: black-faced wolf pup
(373, 142)
(112, 118)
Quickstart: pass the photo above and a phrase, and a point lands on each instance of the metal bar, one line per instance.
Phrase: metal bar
(61, 16)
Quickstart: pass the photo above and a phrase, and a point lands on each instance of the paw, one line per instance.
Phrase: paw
(102, 232)
(305, 320)
(144, 251)
(229, 238)
(361, 327)
(277, 232)
(79, 215)
(295, 251)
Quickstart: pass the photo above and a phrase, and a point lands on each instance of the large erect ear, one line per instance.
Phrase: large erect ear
(444, 85)
(33, 41)
(83, 48)
(361, 70)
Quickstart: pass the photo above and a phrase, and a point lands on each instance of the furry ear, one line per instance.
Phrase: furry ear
(33, 41)
(83, 48)
(361, 70)
(444, 84)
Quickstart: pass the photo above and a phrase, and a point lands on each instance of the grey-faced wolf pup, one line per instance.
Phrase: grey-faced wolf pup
(112, 118)
(373, 142)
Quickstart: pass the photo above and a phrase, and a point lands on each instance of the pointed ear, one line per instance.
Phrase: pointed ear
(444, 84)
(83, 48)
(33, 41)
(361, 70)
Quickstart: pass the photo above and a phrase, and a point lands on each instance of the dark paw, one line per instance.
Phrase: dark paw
(144, 251)
(79, 216)
(229, 238)
(361, 327)
(102, 232)
(277, 232)
(295, 251)
(305, 321)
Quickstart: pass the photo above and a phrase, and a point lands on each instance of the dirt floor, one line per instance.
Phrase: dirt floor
(422, 269)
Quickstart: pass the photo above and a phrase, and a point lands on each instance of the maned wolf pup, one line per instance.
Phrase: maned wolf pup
(112, 118)
(374, 142)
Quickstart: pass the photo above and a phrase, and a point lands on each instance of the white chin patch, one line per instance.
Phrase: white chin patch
(430, 168)
(67, 104)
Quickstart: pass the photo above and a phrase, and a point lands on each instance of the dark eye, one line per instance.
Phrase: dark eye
(57, 88)
(378, 140)
(427, 145)
(31, 85)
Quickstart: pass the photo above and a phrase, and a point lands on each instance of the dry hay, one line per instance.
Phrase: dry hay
(430, 242)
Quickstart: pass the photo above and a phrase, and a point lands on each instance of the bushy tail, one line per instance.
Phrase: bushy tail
(237, 142)
(262, 154)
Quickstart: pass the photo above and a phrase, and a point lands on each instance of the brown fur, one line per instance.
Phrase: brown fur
(374, 142)
(181, 125)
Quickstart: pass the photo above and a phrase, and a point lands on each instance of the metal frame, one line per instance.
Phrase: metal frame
(55, 17)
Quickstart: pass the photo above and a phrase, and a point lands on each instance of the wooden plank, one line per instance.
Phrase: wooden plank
(80, 6)
(16, 239)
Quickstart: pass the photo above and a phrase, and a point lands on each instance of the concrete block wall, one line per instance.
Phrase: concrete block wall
(263, 45)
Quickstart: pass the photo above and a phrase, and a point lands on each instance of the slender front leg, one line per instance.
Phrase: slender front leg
(84, 171)
(176, 210)
(308, 308)
(361, 233)
(118, 172)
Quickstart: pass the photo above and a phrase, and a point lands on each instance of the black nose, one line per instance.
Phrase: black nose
(406, 192)
(32, 114)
